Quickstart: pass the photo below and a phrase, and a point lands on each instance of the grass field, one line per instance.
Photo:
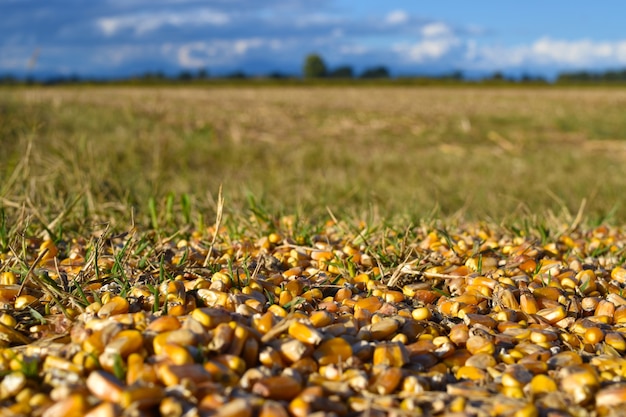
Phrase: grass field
(495, 154)
(377, 251)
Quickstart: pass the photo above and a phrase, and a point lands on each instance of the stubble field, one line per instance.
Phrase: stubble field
(373, 250)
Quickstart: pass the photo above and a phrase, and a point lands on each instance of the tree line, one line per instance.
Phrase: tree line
(587, 76)
(315, 68)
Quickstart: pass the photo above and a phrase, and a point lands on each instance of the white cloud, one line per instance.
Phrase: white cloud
(13, 61)
(148, 22)
(241, 46)
(471, 50)
(316, 19)
(188, 55)
(397, 17)
(436, 30)
(353, 49)
(438, 40)
(547, 51)
(336, 33)
(427, 50)
(222, 52)
(583, 52)
(490, 57)
(110, 56)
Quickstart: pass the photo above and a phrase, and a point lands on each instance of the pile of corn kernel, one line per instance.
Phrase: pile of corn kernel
(469, 321)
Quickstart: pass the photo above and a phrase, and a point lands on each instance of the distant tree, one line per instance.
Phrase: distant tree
(202, 74)
(613, 75)
(277, 75)
(152, 76)
(314, 66)
(576, 76)
(8, 79)
(185, 76)
(344, 71)
(376, 72)
(456, 75)
(237, 75)
(497, 76)
(528, 78)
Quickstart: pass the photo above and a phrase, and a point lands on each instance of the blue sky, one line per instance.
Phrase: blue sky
(126, 37)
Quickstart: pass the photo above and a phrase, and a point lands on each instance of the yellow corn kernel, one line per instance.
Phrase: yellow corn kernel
(371, 304)
(116, 305)
(383, 328)
(304, 333)
(542, 336)
(333, 351)
(513, 392)
(529, 410)
(222, 338)
(73, 405)
(56, 362)
(181, 337)
(508, 300)
(605, 308)
(171, 375)
(343, 294)
(240, 334)
(104, 386)
(528, 304)
(301, 405)
(126, 342)
(593, 335)
(471, 373)
(541, 384)
(459, 333)
(264, 323)
(386, 381)
(24, 301)
(313, 294)
(271, 408)
(421, 313)
(8, 278)
(85, 360)
(178, 355)
(321, 318)
(285, 297)
(400, 338)
(392, 296)
(580, 382)
(611, 396)
(50, 248)
(164, 323)
(210, 317)
(270, 357)
(8, 320)
(391, 354)
(587, 281)
(457, 405)
(552, 314)
(619, 274)
(40, 400)
(277, 310)
(615, 340)
(232, 362)
(479, 344)
(281, 387)
(141, 396)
